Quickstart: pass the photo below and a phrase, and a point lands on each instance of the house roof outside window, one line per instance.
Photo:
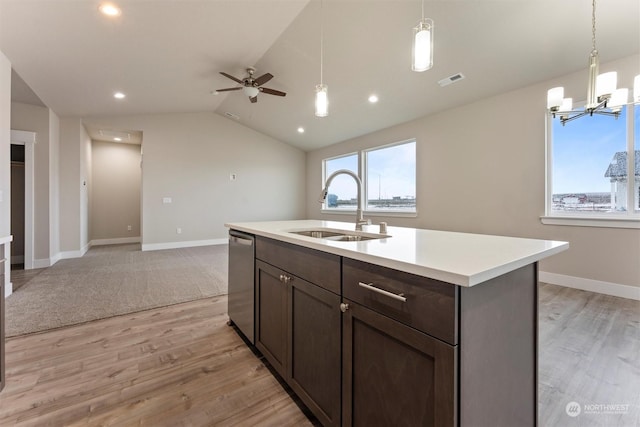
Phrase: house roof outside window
(618, 166)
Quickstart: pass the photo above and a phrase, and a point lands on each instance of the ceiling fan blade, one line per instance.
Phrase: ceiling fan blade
(228, 89)
(271, 91)
(231, 77)
(263, 79)
(254, 99)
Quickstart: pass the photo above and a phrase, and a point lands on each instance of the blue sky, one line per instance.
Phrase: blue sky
(583, 149)
(392, 172)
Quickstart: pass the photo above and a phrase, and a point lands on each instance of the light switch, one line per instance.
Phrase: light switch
(166, 200)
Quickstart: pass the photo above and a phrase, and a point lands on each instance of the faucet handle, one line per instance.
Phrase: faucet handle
(383, 228)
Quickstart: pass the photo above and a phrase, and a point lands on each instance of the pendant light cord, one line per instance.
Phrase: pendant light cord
(321, 39)
(593, 26)
(423, 10)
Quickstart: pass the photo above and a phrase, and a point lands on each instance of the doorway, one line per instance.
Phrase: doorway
(24, 143)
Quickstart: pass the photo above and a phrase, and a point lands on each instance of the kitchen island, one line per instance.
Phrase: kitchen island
(403, 327)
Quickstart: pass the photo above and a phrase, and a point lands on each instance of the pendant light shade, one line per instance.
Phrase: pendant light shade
(322, 101)
(422, 52)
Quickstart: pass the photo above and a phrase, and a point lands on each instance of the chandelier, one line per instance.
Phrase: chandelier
(602, 96)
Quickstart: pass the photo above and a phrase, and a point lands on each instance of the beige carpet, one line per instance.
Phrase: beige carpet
(113, 280)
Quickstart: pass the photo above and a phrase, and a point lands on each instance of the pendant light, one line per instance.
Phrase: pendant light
(322, 100)
(422, 50)
(602, 96)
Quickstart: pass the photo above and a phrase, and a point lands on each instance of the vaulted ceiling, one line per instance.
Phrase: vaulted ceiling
(166, 56)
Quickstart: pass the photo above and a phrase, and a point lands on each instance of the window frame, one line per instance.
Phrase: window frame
(627, 219)
(362, 174)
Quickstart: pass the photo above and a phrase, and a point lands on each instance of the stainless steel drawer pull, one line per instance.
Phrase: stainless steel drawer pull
(399, 297)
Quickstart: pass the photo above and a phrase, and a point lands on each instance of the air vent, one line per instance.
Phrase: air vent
(451, 79)
(231, 115)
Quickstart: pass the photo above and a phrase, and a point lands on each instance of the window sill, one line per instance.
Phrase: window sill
(393, 214)
(592, 221)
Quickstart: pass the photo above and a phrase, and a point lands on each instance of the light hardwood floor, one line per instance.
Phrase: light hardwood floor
(183, 366)
(175, 366)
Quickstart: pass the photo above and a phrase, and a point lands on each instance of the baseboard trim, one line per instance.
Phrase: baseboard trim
(608, 288)
(42, 263)
(187, 244)
(116, 241)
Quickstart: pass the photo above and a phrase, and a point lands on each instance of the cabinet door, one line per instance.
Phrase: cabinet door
(395, 375)
(271, 316)
(314, 369)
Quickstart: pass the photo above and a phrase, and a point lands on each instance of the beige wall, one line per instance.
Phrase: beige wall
(5, 146)
(189, 158)
(481, 169)
(116, 183)
(73, 187)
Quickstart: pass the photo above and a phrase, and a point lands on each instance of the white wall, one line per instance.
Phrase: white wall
(481, 169)
(189, 158)
(116, 182)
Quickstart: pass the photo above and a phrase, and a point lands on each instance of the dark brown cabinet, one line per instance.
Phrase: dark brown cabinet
(314, 368)
(364, 345)
(271, 316)
(298, 324)
(394, 374)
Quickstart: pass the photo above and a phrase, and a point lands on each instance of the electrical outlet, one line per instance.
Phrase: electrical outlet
(178, 230)
(128, 228)
(232, 177)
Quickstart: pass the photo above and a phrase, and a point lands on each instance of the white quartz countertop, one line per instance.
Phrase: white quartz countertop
(6, 239)
(460, 258)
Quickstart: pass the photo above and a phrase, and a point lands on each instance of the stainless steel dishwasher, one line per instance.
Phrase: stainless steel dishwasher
(241, 282)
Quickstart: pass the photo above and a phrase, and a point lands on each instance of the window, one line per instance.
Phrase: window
(590, 172)
(388, 175)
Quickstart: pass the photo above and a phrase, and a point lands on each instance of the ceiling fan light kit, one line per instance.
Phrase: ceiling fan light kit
(251, 86)
(602, 96)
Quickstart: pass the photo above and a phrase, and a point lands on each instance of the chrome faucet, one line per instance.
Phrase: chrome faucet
(323, 196)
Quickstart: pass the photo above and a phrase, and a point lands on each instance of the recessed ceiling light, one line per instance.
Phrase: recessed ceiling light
(119, 95)
(373, 99)
(300, 129)
(117, 139)
(109, 9)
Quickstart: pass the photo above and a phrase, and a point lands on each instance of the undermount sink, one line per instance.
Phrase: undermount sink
(338, 235)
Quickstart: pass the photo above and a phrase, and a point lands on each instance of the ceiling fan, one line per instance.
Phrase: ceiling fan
(252, 86)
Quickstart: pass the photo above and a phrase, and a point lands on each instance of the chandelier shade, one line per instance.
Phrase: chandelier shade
(602, 95)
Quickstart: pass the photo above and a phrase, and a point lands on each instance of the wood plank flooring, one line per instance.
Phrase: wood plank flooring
(175, 366)
(183, 366)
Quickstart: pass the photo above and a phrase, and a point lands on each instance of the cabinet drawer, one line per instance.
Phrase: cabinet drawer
(314, 266)
(424, 304)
